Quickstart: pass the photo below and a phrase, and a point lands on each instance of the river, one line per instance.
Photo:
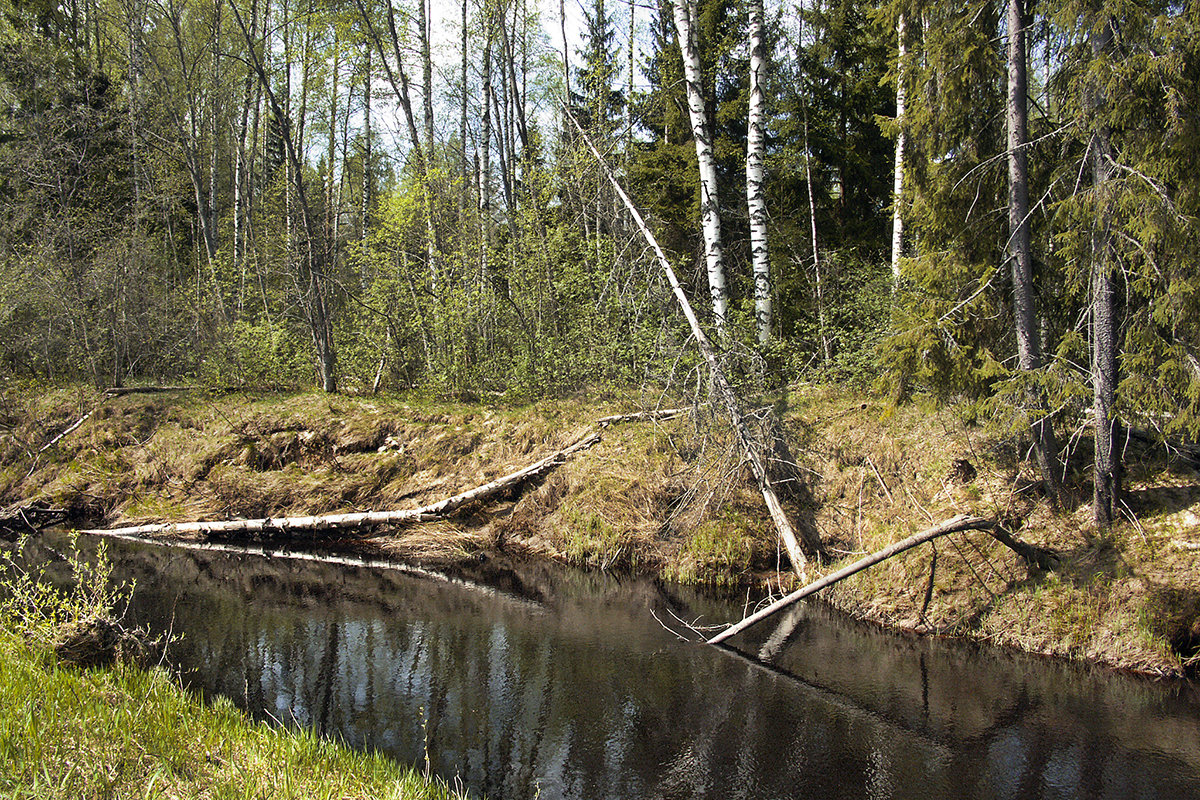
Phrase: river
(532, 681)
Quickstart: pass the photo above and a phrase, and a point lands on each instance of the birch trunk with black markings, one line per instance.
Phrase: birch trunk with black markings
(362, 519)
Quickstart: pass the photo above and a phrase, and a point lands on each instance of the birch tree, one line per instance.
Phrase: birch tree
(755, 201)
(901, 141)
(313, 279)
(710, 218)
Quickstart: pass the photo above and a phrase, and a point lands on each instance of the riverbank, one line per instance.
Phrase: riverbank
(86, 713)
(667, 497)
(124, 732)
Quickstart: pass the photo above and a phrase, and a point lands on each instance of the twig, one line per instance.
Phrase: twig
(879, 477)
(668, 629)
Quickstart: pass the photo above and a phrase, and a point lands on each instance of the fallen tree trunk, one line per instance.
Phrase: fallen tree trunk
(662, 414)
(74, 426)
(358, 519)
(812, 543)
(121, 391)
(953, 525)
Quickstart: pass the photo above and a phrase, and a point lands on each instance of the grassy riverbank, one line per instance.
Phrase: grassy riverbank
(75, 733)
(666, 497)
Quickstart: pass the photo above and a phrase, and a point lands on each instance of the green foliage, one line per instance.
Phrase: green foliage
(830, 97)
(594, 543)
(123, 731)
(42, 611)
(719, 551)
(259, 354)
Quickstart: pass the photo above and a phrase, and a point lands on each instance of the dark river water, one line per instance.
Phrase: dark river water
(535, 682)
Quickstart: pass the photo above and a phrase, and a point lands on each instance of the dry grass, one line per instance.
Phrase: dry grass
(1129, 599)
(669, 497)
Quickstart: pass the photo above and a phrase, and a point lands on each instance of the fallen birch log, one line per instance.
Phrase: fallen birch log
(812, 543)
(74, 426)
(953, 525)
(662, 414)
(358, 519)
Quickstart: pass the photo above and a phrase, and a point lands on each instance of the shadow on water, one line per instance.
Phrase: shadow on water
(532, 681)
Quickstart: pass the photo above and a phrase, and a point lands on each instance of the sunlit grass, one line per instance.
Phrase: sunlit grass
(127, 732)
(123, 731)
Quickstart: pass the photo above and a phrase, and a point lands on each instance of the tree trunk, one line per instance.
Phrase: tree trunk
(710, 218)
(434, 511)
(464, 162)
(240, 164)
(962, 522)
(901, 141)
(315, 305)
(818, 276)
(485, 163)
(331, 191)
(1029, 355)
(431, 238)
(566, 62)
(755, 202)
(365, 210)
(398, 79)
(1107, 463)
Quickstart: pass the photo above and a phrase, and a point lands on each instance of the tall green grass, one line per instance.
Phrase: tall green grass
(127, 732)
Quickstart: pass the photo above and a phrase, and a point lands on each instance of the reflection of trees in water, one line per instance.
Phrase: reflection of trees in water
(588, 698)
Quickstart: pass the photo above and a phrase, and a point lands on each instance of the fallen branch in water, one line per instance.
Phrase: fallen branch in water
(962, 522)
(437, 510)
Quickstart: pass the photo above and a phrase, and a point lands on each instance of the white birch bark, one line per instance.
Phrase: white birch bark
(277, 525)
(756, 204)
(365, 198)
(898, 172)
(710, 219)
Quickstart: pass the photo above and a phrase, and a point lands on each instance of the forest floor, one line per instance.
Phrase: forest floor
(667, 497)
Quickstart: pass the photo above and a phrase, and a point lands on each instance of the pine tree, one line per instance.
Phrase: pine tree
(598, 100)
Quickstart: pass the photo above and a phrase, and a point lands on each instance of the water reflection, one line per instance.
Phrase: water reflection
(564, 685)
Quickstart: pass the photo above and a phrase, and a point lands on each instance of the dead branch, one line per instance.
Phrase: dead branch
(29, 517)
(121, 391)
(962, 522)
(74, 426)
(662, 414)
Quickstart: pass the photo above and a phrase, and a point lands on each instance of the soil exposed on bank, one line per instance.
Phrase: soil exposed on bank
(667, 497)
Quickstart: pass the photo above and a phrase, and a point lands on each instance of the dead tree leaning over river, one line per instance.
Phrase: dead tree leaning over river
(812, 543)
